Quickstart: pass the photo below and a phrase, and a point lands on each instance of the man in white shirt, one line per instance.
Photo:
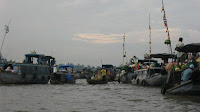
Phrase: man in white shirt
(180, 55)
(55, 68)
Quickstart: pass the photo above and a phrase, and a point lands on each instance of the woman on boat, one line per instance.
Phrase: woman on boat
(103, 72)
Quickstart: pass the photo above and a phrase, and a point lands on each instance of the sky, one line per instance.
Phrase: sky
(88, 31)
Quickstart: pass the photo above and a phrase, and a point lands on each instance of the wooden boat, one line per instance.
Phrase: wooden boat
(27, 72)
(173, 84)
(128, 76)
(111, 72)
(86, 72)
(65, 74)
(149, 77)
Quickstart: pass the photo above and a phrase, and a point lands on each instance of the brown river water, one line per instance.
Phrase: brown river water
(81, 97)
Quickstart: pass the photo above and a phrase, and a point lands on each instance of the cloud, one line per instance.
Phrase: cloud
(98, 38)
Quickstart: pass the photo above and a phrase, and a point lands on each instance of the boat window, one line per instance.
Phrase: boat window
(43, 58)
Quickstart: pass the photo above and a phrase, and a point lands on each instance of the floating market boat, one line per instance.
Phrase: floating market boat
(28, 72)
(65, 74)
(174, 85)
(157, 75)
(150, 76)
(86, 72)
(110, 71)
(127, 76)
(110, 75)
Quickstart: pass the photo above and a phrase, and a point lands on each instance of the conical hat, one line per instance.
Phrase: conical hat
(198, 59)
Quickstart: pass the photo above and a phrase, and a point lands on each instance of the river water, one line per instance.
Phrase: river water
(81, 97)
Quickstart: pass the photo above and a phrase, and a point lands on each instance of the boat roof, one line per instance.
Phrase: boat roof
(37, 55)
(107, 66)
(193, 47)
(34, 55)
(161, 55)
(146, 60)
(65, 66)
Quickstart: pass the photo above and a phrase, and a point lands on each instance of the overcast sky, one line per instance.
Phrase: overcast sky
(86, 31)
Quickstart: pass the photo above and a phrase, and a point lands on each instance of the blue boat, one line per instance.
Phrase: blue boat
(35, 69)
(65, 74)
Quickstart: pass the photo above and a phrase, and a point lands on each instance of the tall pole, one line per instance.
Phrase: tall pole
(149, 44)
(6, 31)
(149, 37)
(166, 25)
(123, 48)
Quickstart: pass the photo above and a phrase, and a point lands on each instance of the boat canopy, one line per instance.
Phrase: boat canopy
(193, 48)
(65, 66)
(41, 58)
(162, 55)
(107, 66)
(146, 60)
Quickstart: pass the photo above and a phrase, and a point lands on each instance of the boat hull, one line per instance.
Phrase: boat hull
(30, 74)
(144, 78)
(61, 78)
(185, 89)
(126, 79)
(156, 80)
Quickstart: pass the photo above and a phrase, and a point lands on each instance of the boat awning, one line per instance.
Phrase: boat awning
(146, 60)
(34, 55)
(65, 66)
(194, 47)
(107, 66)
(161, 55)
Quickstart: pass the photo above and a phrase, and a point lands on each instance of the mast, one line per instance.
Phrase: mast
(149, 43)
(124, 53)
(166, 26)
(149, 36)
(6, 31)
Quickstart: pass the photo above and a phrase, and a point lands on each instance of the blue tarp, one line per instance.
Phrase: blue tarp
(69, 77)
(64, 66)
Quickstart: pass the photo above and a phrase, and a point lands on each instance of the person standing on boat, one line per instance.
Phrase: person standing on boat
(180, 55)
(131, 61)
(103, 72)
(135, 59)
(54, 68)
